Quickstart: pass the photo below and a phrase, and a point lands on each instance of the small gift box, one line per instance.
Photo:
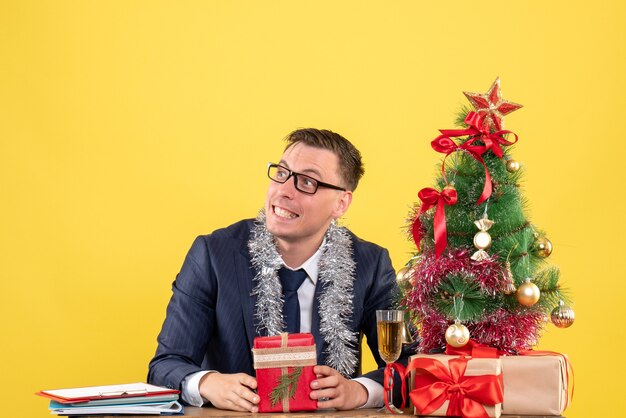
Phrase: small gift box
(443, 385)
(284, 371)
(535, 384)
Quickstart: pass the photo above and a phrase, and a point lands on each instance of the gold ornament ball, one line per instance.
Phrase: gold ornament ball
(562, 316)
(482, 240)
(543, 247)
(512, 166)
(528, 293)
(457, 335)
(401, 275)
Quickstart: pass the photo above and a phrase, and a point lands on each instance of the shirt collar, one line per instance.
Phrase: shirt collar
(311, 266)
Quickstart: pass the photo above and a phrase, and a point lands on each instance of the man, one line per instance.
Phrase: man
(229, 289)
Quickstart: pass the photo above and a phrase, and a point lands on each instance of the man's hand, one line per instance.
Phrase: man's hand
(230, 391)
(341, 393)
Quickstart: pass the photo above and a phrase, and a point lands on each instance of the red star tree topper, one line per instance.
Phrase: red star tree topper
(492, 106)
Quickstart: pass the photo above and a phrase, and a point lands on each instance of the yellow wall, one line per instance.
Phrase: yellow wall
(129, 127)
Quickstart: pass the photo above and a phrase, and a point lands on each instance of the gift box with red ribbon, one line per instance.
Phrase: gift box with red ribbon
(541, 376)
(443, 385)
(535, 383)
(284, 371)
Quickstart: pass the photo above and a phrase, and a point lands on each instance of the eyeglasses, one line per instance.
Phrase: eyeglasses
(303, 183)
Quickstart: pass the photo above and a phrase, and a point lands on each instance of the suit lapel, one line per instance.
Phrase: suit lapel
(245, 278)
(315, 323)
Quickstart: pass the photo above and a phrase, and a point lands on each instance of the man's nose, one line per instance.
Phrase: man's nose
(289, 187)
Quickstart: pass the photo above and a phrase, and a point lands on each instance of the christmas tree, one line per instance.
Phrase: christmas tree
(480, 270)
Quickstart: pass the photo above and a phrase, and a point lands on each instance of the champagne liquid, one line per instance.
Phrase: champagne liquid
(390, 340)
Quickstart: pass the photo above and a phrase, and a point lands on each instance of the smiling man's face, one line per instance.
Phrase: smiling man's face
(297, 218)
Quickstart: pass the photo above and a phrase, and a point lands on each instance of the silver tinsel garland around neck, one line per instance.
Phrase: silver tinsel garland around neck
(336, 276)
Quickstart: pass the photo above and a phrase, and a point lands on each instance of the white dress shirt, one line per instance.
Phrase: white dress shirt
(306, 294)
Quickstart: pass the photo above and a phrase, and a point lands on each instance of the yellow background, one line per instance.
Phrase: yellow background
(129, 127)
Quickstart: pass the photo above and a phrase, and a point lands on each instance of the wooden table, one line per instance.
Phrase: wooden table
(191, 411)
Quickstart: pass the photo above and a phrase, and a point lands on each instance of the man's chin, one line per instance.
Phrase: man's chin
(280, 230)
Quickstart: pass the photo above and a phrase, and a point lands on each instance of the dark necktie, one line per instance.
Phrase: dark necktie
(291, 281)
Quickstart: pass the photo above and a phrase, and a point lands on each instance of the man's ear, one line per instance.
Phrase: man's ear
(343, 203)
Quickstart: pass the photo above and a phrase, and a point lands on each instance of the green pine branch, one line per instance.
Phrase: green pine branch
(286, 386)
(548, 282)
(460, 297)
(460, 117)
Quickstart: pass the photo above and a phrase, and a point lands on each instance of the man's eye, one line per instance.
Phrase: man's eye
(281, 174)
(308, 182)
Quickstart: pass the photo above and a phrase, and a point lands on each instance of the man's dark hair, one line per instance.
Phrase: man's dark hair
(350, 164)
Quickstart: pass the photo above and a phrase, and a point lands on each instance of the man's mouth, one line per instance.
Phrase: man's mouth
(284, 213)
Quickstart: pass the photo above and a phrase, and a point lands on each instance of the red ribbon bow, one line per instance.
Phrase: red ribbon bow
(431, 197)
(388, 383)
(435, 383)
(479, 131)
(474, 349)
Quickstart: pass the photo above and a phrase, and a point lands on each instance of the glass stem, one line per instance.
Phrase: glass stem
(390, 392)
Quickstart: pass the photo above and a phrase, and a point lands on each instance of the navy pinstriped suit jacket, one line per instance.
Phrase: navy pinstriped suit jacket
(210, 317)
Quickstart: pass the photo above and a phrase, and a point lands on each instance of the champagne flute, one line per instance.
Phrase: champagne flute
(390, 324)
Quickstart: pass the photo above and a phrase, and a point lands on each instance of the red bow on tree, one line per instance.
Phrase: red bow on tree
(431, 197)
(479, 131)
(434, 384)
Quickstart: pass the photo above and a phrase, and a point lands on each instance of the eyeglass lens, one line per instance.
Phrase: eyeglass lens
(303, 183)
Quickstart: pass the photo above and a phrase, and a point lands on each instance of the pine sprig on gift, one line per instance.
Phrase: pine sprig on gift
(286, 386)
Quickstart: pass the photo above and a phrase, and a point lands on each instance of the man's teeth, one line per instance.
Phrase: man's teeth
(283, 213)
